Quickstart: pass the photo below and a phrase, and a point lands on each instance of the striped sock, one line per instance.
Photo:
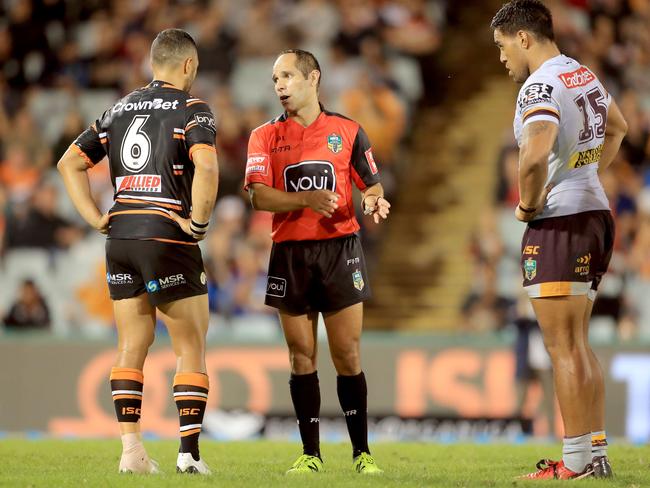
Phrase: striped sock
(126, 388)
(599, 443)
(191, 397)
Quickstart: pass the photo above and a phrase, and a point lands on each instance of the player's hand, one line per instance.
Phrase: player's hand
(322, 201)
(528, 216)
(185, 226)
(377, 206)
(101, 224)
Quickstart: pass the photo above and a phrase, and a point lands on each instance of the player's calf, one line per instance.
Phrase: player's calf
(191, 397)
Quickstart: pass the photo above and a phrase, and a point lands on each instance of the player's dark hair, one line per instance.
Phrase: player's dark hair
(527, 15)
(306, 62)
(171, 46)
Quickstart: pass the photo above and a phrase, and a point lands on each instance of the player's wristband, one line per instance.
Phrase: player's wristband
(525, 209)
(199, 229)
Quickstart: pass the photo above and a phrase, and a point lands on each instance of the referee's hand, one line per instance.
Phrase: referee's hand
(376, 206)
(184, 224)
(322, 201)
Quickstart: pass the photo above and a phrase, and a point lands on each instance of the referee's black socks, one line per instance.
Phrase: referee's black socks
(305, 395)
(353, 397)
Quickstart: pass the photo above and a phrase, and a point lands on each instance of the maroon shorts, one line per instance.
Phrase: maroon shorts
(567, 255)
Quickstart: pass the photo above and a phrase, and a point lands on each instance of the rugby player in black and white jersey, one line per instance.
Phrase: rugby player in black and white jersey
(160, 144)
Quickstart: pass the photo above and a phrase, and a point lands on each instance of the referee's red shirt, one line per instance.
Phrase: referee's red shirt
(329, 154)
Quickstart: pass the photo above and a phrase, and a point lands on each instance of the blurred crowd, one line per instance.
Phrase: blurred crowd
(63, 62)
(611, 37)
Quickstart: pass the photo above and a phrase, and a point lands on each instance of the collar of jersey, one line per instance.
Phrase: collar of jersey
(553, 60)
(161, 83)
(285, 117)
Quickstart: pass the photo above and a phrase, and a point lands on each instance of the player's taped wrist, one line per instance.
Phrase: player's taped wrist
(198, 229)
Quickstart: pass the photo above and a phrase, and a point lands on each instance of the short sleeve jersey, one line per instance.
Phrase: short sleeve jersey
(564, 92)
(150, 137)
(330, 154)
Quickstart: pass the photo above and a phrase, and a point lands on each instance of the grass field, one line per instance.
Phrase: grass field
(74, 463)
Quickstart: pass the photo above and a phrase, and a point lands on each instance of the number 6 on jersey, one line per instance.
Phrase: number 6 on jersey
(136, 145)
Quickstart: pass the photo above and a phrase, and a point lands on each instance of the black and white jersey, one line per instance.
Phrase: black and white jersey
(149, 137)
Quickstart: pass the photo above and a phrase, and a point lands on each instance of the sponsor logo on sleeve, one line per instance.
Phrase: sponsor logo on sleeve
(580, 77)
(145, 183)
(276, 287)
(206, 120)
(309, 176)
(371, 162)
(535, 93)
(257, 164)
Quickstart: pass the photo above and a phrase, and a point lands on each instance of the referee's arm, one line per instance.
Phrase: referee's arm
(263, 197)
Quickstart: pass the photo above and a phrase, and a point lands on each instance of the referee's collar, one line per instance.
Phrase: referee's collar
(285, 116)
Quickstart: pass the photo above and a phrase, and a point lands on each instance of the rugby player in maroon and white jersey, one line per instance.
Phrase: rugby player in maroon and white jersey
(569, 130)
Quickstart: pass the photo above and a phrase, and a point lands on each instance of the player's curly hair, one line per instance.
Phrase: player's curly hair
(306, 62)
(527, 15)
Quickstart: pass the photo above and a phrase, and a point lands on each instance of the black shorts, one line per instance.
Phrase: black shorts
(317, 276)
(165, 271)
(567, 255)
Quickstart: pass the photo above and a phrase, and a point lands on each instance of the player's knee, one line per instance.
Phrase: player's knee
(562, 349)
(564, 343)
(136, 344)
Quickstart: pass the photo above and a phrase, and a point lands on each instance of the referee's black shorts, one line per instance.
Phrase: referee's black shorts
(165, 271)
(317, 276)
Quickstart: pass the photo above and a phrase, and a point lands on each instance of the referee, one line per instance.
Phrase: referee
(301, 166)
